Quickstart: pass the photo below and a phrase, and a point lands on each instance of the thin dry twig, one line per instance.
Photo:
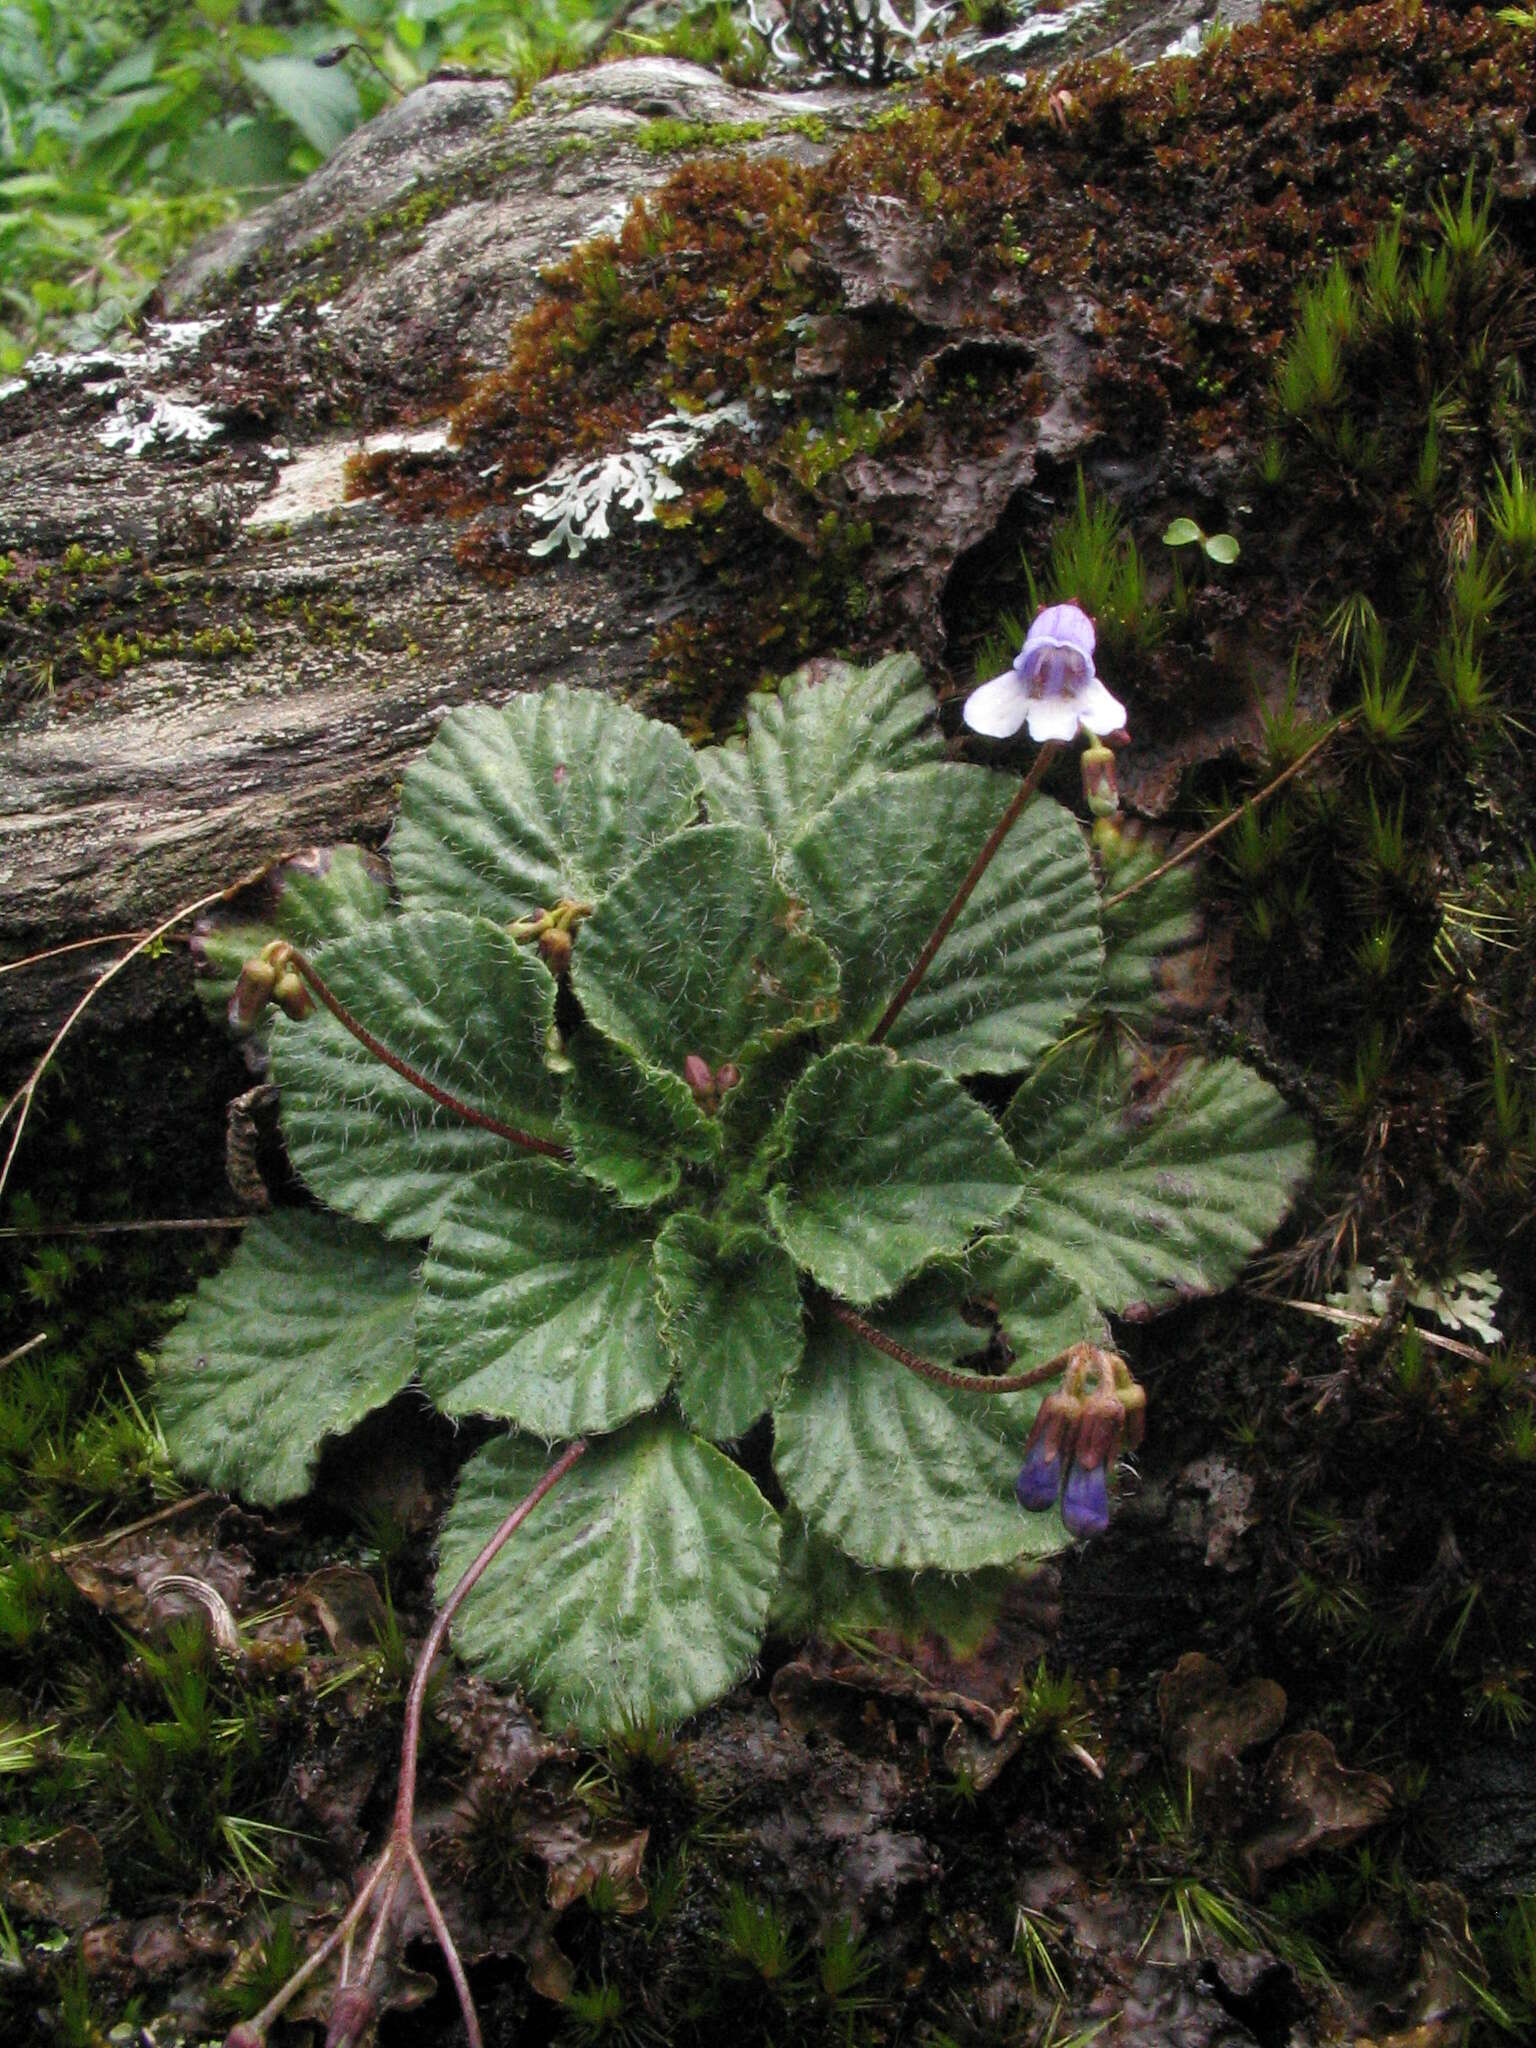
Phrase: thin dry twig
(73, 946)
(21, 1350)
(20, 1105)
(1225, 824)
(125, 1228)
(1350, 1319)
(99, 1542)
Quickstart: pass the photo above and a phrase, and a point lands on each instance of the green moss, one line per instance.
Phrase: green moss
(672, 137)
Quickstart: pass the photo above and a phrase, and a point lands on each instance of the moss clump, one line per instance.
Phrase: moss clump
(1179, 206)
(672, 137)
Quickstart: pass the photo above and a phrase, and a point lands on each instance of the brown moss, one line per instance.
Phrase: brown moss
(1185, 203)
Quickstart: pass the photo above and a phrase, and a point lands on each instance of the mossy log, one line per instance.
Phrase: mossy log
(213, 656)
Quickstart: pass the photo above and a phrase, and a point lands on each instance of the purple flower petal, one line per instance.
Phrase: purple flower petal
(1052, 686)
(1039, 1481)
(1085, 1500)
(1064, 630)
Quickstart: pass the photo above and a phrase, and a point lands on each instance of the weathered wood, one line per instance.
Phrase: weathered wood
(341, 635)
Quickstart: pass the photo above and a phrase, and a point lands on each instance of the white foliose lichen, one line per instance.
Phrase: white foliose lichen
(1465, 1301)
(576, 498)
(143, 418)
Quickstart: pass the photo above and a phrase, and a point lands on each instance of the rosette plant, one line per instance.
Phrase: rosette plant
(627, 1123)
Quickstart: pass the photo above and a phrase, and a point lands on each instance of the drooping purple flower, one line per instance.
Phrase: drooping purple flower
(1085, 1500)
(1039, 1480)
(1052, 686)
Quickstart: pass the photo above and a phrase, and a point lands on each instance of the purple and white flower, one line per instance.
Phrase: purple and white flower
(1052, 686)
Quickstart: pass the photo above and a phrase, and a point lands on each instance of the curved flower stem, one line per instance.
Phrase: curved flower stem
(1225, 824)
(400, 1857)
(446, 1943)
(941, 1376)
(962, 895)
(365, 1038)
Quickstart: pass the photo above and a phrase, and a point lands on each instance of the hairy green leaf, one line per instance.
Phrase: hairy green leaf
(883, 1164)
(637, 1589)
(306, 1330)
(954, 1307)
(631, 1126)
(731, 1320)
(1154, 940)
(901, 1474)
(822, 1592)
(538, 1304)
(551, 797)
(459, 1001)
(699, 950)
(823, 732)
(1148, 1185)
(879, 867)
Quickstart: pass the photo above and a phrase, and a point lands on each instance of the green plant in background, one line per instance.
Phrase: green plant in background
(1400, 399)
(1094, 562)
(128, 130)
(638, 1129)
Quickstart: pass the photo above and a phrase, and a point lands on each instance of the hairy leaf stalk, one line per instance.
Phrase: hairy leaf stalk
(941, 1375)
(365, 1038)
(963, 894)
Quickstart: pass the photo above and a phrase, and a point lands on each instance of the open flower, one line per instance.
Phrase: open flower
(1052, 685)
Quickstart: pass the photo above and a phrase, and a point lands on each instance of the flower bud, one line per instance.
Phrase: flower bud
(699, 1078)
(251, 993)
(1100, 791)
(1048, 1451)
(1039, 1482)
(728, 1077)
(1085, 1500)
(352, 2015)
(291, 996)
(1099, 1432)
(245, 2034)
(555, 945)
(1133, 1401)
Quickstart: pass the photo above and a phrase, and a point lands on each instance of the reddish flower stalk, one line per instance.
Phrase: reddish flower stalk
(307, 973)
(941, 1375)
(962, 895)
(353, 2010)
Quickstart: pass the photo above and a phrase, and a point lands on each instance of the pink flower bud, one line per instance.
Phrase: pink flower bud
(352, 2015)
(698, 1076)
